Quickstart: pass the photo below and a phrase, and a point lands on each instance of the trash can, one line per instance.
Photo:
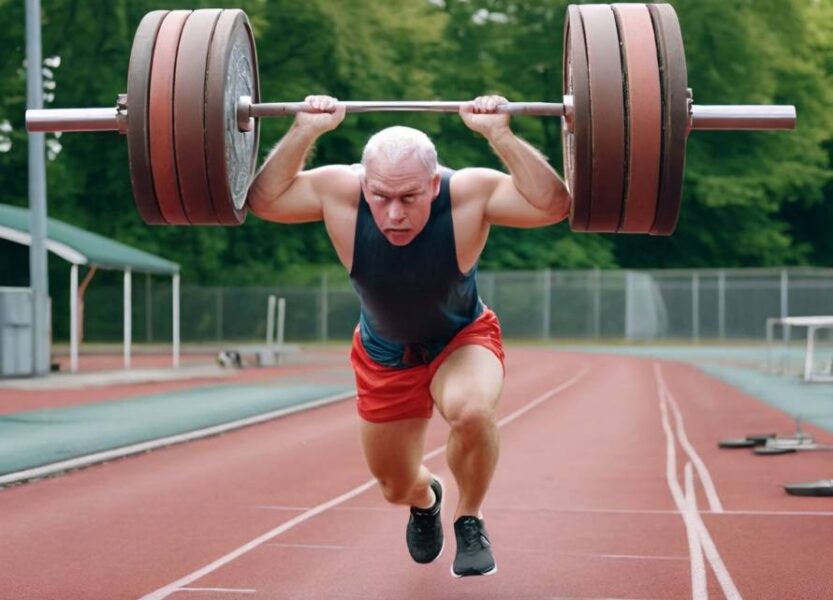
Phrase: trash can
(16, 332)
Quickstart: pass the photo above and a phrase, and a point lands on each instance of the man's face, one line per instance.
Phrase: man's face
(399, 196)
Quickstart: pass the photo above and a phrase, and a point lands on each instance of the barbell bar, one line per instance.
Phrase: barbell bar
(730, 117)
(192, 108)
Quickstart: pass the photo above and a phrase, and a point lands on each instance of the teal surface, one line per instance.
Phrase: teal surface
(813, 402)
(32, 439)
(744, 368)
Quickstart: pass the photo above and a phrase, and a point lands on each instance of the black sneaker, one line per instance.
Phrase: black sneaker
(424, 534)
(474, 550)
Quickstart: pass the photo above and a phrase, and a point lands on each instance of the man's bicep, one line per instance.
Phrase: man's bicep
(302, 202)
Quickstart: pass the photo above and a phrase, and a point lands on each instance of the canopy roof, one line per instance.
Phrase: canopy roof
(81, 247)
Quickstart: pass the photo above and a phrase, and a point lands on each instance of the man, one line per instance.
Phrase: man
(409, 234)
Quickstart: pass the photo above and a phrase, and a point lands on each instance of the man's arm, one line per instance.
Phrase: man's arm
(281, 191)
(533, 194)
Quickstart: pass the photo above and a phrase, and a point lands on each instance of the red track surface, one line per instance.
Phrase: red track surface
(580, 506)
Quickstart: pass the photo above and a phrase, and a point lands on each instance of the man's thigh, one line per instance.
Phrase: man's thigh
(393, 450)
(471, 378)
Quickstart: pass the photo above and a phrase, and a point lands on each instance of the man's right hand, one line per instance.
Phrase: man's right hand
(322, 114)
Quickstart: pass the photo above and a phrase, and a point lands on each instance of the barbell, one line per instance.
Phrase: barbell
(193, 99)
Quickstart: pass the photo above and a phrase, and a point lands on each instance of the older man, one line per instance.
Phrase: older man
(410, 234)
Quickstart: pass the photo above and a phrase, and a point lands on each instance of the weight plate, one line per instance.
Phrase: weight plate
(766, 450)
(607, 111)
(823, 487)
(575, 127)
(231, 154)
(737, 443)
(138, 149)
(674, 78)
(189, 116)
(161, 118)
(644, 116)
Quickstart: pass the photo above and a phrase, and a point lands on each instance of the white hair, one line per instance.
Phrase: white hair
(399, 143)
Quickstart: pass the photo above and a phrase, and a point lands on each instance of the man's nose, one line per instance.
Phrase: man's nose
(396, 212)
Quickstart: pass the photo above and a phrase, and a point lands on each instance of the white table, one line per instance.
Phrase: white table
(813, 324)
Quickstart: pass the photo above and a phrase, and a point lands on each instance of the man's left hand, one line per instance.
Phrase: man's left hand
(481, 115)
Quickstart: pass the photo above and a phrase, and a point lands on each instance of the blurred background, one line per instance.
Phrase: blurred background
(753, 239)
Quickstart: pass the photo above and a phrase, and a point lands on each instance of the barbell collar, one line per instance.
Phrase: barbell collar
(742, 117)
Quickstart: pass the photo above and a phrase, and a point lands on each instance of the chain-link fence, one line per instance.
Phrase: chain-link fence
(691, 305)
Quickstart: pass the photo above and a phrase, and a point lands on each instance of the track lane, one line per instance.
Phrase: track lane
(579, 507)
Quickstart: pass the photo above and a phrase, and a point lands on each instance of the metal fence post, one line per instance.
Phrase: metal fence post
(695, 307)
(785, 300)
(324, 305)
(597, 303)
(219, 318)
(148, 309)
(721, 305)
(546, 300)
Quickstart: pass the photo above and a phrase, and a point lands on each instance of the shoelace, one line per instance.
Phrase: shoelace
(471, 534)
(423, 522)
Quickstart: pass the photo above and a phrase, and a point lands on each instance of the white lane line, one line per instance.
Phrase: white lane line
(691, 507)
(217, 590)
(165, 591)
(98, 457)
(308, 546)
(707, 545)
(702, 472)
(698, 571)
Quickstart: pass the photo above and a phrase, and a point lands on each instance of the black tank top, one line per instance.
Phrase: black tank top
(414, 298)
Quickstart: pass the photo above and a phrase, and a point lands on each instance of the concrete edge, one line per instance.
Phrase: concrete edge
(123, 451)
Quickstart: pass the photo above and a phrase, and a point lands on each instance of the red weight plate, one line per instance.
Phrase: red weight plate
(189, 116)
(607, 111)
(644, 114)
(231, 154)
(161, 118)
(138, 149)
(575, 132)
(674, 79)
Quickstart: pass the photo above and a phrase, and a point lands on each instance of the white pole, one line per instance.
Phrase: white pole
(73, 319)
(175, 328)
(270, 320)
(128, 322)
(281, 318)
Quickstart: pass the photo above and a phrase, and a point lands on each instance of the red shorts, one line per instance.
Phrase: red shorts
(387, 394)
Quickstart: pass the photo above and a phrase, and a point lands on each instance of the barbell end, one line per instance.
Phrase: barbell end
(743, 117)
(47, 120)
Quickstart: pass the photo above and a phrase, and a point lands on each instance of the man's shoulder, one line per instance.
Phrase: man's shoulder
(336, 183)
(474, 184)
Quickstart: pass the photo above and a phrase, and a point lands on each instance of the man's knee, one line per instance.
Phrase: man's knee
(470, 408)
(397, 491)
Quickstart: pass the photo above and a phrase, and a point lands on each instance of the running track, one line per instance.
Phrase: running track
(610, 485)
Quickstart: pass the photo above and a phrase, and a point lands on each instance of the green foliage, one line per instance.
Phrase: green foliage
(749, 198)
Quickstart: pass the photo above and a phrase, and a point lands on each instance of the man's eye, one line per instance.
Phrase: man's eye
(409, 198)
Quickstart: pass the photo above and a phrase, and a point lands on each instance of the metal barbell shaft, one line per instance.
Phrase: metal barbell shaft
(703, 117)
(273, 109)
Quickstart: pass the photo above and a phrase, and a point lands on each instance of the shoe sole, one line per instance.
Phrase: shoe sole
(491, 571)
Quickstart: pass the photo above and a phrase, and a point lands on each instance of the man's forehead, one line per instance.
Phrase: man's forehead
(396, 180)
